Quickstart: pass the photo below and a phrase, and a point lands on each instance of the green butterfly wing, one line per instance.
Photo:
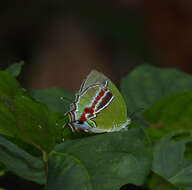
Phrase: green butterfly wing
(112, 116)
(94, 77)
(85, 99)
(115, 114)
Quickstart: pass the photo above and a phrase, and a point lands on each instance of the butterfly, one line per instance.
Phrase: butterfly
(98, 107)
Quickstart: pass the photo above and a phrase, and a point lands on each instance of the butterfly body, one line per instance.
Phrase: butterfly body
(98, 107)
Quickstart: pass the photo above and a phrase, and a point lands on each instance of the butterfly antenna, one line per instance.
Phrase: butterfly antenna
(137, 110)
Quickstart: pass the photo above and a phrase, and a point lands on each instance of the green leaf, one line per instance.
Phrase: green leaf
(24, 145)
(21, 163)
(2, 169)
(24, 118)
(9, 86)
(8, 124)
(15, 69)
(100, 162)
(28, 120)
(147, 84)
(170, 162)
(34, 122)
(155, 182)
(169, 113)
(56, 99)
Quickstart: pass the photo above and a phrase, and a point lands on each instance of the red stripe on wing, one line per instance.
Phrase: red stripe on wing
(90, 110)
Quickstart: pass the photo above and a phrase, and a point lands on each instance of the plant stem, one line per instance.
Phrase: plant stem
(45, 159)
(44, 156)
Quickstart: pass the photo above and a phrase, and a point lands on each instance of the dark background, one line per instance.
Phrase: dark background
(61, 41)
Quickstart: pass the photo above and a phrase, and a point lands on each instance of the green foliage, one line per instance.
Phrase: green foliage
(147, 84)
(105, 161)
(21, 163)
(155, 182)
(32, 134)
(15, 69)
(169, 113)
(2, 169)
(56, 99)
(170, 163)
(24, 118)
(9, 87)
(33, 118)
